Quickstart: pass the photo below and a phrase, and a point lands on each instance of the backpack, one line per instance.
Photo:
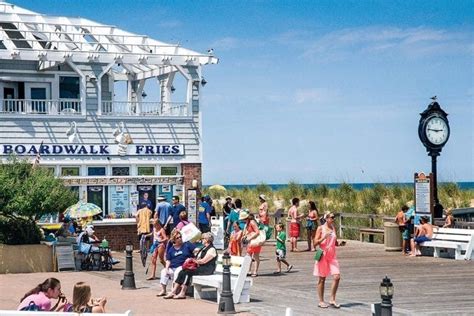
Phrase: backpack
(31, 307)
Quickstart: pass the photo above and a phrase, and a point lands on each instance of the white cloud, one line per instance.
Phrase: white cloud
(170, 24)
(226, 43)
(315, 95)
(411, 42)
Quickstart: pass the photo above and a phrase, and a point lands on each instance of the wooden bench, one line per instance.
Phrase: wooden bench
(370, 232)
(240, 283)
(461, 240)
(40, 313)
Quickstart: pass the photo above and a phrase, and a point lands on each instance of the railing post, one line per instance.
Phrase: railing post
(341, 235)
(371, 220)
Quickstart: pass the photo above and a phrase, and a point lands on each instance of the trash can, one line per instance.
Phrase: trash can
(392, 237)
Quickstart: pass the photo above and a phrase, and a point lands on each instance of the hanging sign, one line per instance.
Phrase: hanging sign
(92, 150)
(423, 196)
(192, 206)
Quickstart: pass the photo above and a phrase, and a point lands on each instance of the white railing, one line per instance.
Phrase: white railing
(50, 107)
(126, 108)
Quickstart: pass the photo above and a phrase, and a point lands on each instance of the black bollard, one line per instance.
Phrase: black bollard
(128, 282)
(226, 303)
(386, 293)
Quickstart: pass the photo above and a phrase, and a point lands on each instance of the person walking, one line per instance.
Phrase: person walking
(294, 223)
(204, 216)
(281, 249)
(311, 224)
(326, 239)
(251, 232)
(163, 213)
(158, 249)
(143, 222)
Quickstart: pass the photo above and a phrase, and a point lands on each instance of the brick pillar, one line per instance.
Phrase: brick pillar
(192, 171)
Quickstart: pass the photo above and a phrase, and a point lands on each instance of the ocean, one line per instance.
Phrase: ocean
(356, 186)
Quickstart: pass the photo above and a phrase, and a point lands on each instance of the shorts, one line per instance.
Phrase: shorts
(408, 232)
(280, 254)
(421, 239)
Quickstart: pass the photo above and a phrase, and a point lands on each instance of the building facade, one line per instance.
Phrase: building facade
(96, 103)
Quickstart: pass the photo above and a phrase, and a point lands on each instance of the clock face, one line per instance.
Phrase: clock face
(436, 130)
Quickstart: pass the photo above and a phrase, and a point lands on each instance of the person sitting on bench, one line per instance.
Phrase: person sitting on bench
(424, 233)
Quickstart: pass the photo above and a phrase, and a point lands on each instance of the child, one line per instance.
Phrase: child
(160, 240)
(235, 243)
(281, 249)
(424, 233)
(82, 302)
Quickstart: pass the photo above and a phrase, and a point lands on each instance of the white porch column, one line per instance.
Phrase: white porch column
(99, 87)
(82, 85)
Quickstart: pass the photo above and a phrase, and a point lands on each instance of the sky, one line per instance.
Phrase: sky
(316, 91)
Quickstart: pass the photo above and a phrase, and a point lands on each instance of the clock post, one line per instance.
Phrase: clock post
(434, 131)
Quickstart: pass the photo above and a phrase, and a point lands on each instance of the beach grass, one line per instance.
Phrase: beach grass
(385, 200)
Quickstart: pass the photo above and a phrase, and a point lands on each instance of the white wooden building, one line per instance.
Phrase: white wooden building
(60, 78)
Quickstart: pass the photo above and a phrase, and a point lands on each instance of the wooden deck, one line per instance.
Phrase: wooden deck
(448, 287)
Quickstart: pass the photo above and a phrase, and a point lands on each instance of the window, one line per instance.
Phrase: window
(169, 171)
(69, 88)
(70, 171)
(96, 171)
(75, 190)
(120, 171)
(50, 169)
(146, 171)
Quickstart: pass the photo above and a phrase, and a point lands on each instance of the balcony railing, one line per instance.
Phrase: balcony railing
(49, 107)
(125, 108)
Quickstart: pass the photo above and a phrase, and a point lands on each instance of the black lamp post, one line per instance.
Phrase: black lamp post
(386, 293)
(226, 303)
(128, 282)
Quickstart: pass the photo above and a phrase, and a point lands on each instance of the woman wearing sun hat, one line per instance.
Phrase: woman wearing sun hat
(251, 231)
(263, 210)
(326, 239)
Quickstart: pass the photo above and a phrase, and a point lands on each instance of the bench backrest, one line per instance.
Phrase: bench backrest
(453, 234)
(20, 313)
(238, 266)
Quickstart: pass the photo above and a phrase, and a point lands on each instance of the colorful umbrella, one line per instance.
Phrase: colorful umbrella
(81, 210)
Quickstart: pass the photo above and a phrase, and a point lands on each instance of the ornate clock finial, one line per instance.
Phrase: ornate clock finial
(434, 98)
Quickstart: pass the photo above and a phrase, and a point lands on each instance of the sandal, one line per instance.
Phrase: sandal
(276, 272)
(254, 275)
(169, 296)
(289, 268)
(323, 305)
(178, 297)
(334, 305)
(151, 278)
(161, 294)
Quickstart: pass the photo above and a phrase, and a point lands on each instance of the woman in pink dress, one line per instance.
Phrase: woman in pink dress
(327, 240)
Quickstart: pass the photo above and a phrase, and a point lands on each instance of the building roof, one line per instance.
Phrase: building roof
(52, 40)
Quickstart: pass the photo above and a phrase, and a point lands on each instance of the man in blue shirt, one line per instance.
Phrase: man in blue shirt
(145, 202)
(163, 213)
(176, 208)
(204, 216)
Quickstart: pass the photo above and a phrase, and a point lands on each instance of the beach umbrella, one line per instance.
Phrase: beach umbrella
(82, 209)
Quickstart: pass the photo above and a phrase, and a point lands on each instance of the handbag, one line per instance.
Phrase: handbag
(190, 264)
(319, 254)
(259, 240)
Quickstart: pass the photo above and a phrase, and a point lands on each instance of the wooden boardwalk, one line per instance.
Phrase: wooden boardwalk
(448, 287)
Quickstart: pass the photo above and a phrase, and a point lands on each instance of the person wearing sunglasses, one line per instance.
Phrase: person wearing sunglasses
(175, 257)
(326, 240)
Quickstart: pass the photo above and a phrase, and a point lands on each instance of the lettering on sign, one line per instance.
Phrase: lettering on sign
(423, 193)
(91, 150)
(151, 180)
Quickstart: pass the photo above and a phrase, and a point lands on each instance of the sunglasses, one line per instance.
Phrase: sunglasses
(333, 217)
(178, 237)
